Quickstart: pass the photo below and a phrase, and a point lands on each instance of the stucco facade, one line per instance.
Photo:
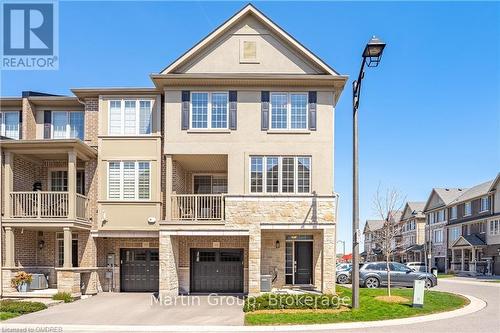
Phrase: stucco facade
(169, 195)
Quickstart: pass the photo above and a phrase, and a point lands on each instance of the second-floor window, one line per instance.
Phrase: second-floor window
(130, 117)
(68, 125)
(495, 227)
(468, 209)
(288, 110)
(9, 124)
(129, 180)
(455, 232)
(485, 204)
(209, 110)
(453, 213)
(440, 215)
(438, 236)
(280, 174)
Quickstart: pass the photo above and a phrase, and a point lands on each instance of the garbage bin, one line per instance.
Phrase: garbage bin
(434, 271)
(265, 283)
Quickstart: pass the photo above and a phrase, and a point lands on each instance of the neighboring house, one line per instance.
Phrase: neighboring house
(219, 174)
(372, 241)
(412, 228)
(474, 230)
(436, 216)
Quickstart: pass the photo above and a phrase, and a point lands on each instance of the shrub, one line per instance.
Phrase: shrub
(20, 278)
(21, 307)
(63, 296)
(287, 301)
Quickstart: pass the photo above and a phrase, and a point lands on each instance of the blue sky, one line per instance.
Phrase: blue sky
(429, 114)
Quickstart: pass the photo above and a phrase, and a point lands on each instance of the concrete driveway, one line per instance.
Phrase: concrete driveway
(141, 309)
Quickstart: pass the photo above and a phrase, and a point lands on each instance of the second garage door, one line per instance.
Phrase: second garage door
(139, 270)
(217, 270)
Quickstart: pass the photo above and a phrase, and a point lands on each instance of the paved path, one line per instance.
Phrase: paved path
(135, 309)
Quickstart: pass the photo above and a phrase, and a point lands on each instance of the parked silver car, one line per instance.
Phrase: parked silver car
(416, 266)
(374, 275)
(344, 274)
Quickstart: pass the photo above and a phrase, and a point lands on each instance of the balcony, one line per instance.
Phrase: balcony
(47, 205)
(197, 207)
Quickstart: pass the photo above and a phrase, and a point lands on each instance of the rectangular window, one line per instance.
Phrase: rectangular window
(209, 184)
(453, 213)
(455, 233)
(495, 227)
(468, 209)
(485, 204)
(209, 110)
(440, 215)
(59, 181)
(68, 125)
(130, 117)
(9, 124)
(438, 236)
(60, 249)
(289, 110)
(129, 180)
(283, 174)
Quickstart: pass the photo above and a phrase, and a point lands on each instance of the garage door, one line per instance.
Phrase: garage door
(139, 269)
(217, 270)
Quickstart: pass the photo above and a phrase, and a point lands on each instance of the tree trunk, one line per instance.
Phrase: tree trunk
(388, 277)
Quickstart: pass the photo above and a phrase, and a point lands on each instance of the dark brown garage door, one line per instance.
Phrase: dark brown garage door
(217, 270)
(139, 269)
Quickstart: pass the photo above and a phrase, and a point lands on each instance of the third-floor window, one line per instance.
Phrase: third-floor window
(68, 125)
(467, 208)
(209, 110)
(9, 124)
(130, 117)
(485, 204)
(280, 174)
(288, 110)
(453, 213)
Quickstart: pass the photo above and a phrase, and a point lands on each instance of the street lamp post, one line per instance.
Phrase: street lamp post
(371, 58)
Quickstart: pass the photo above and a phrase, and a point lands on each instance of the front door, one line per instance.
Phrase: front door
(303, 262)
(139, 270)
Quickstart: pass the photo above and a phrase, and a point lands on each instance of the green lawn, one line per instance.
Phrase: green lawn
(12, 308)
(371, 309)
(8, 315)
(445, 276)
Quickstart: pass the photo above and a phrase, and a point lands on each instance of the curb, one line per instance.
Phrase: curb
(475, 305)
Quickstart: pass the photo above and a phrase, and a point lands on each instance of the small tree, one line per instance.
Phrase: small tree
(388, 207)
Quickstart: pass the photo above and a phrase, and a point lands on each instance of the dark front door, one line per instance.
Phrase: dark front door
(303, 262)
(139, 269)
(217, 270)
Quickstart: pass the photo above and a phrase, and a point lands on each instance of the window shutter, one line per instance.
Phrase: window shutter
(185, 110)
(233, 105)
(312, 110)
(20, 125)
(264, 122)
(47, 120)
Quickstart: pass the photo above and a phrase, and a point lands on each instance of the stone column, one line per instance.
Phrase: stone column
(329, 261)
(168, 187)
(8, 181)
(462, 265)
(9, 247)
(169, 252)
(254, 255)
(472, 266)
(71, 185)
(68, 262)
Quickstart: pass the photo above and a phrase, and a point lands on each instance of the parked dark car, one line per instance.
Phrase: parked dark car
(374, 275)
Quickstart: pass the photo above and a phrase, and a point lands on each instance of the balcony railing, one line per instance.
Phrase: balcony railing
(46, 205)
(194, 207)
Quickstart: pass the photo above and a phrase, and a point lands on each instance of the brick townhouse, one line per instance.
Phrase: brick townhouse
(220, 173)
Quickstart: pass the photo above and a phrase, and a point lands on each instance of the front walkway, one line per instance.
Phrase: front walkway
(140, 309)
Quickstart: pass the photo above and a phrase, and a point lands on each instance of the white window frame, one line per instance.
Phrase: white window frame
(68, 125)
(2, 124)
(137, 115)
(136, 183)
(453, 213)
(494, 228)
(487, 200)
(209, 110)
(288, 110)
(438, 232)
(280, 174)
(455, 233)
(467, 204)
